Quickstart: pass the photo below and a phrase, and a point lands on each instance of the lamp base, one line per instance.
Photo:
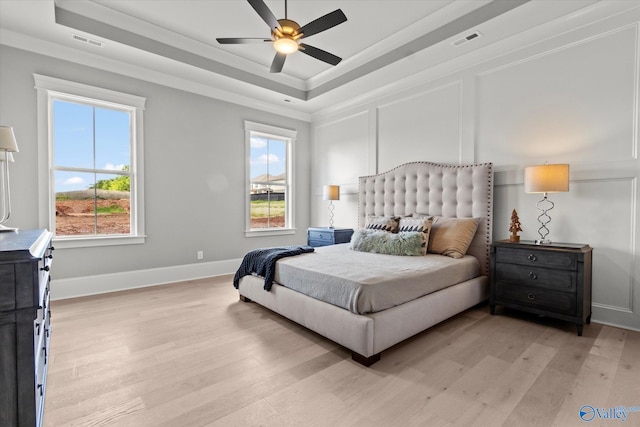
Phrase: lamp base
(544, 206)
(3, 228)
(331, 208)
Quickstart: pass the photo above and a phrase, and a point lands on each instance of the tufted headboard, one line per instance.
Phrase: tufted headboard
(446, 190)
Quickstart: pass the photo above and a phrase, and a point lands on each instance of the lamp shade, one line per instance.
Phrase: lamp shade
(546, 178)
(331, 192)
(8, 139)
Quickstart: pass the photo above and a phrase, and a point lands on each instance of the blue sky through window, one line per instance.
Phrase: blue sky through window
(268, 155)
(88, 137)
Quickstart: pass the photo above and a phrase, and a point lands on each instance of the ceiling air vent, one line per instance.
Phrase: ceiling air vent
(467, 38)
(87, 40)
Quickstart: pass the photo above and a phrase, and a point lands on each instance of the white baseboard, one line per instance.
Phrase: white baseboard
(100, 284)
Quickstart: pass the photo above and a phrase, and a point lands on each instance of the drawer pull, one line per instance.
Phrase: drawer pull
(532, 257)
(40, 389)
(532, 275)
(38, 328)
(45, 268)
(531, 297)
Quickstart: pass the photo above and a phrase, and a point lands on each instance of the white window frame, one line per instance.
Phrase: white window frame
(48, 89)
(289, 136)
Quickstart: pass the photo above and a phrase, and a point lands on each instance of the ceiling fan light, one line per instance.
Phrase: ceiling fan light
(285, 45)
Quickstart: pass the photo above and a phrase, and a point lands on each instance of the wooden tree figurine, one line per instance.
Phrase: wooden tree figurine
(515, 227)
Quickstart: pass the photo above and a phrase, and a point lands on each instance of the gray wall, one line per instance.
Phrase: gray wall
(194, 170)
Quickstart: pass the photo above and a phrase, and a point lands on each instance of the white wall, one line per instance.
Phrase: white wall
(194, 180)
(562, 96)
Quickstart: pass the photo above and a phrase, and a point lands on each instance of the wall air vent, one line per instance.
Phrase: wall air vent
(467, 38)
(87, 40)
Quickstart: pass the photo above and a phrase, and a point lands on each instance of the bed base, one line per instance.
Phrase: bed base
(366, 361)
(366, 335)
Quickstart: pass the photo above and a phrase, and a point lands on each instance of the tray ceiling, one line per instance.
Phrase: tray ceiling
(380, 43)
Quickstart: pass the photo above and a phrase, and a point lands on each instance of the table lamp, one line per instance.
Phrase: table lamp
(546, 179)
(331, 193)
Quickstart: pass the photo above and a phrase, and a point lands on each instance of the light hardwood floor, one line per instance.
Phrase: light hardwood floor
(191, 354)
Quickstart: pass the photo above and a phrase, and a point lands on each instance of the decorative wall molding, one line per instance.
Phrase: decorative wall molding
(612, 14)
(601, 143)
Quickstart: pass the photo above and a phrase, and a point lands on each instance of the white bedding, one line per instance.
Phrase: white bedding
(363, 282)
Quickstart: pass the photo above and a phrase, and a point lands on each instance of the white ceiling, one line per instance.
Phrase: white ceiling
(173, 41)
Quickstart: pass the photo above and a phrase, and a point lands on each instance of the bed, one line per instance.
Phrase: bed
(366, 328)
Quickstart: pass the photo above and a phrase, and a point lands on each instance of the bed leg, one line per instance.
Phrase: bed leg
(366, 361)
(245, 299)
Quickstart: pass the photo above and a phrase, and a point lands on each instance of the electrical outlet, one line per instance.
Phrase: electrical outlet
(200, 254)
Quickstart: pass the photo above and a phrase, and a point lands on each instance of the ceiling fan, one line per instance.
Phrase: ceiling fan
(285, 35)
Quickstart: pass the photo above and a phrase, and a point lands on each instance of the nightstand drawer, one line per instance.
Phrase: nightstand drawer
(321, 236)
(316, 243)
(542, 299)
(533, 277)
(540, 258)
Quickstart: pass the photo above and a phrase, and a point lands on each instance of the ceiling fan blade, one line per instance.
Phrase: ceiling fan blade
(265, 13)
(323, 23)
(244, 40)
(278, 62)
(320, 54)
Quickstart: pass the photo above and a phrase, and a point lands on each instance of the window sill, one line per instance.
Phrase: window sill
(94, 241)
(274, 232)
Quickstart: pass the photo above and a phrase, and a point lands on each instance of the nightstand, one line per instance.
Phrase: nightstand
(552, 280)
(325, 236)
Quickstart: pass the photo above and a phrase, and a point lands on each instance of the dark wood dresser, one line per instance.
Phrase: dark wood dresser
(325, 236)
(25, 328)
(552, 280)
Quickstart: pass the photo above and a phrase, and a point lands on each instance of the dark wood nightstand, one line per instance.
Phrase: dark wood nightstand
(325, 236)
(552, 280)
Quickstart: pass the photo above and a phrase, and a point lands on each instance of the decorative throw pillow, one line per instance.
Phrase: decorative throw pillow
(452, 236)
(407, 243)
(383, 223)
(421, 225)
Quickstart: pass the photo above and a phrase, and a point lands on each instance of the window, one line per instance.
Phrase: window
(91, 144)
(270, 186)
